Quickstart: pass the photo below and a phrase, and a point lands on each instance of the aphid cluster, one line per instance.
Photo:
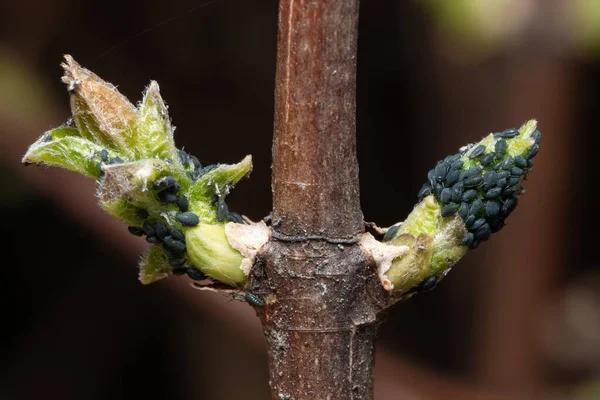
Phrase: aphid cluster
(223, 211)
(172, 240)
(484, 194)
(196, 172)
(167, 189)
(194, 167)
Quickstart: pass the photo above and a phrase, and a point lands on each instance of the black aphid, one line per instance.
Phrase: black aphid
(500, 147)
(187, 219)
(430, 175)
(493, 193)
(164, 182)
(176, 262)
(47, 138)
(468, 239)
(492, 209)
(222, 211)
(116, 160)
(477, 224)
(463, 210)
(507, 134)
(424, 191)
(437, 189)
(487, 159)
(183, 157)
(104, 155)
(520, 162)
(452, 177)
(514, 180)
(174, 244)
(533, 151)
(234, 217)
(470, 172)
(476, 208)
(440, 172)
(183, 203)
(490, 179)
(450, 209)
(473, 181)
(177, 234)
(161, 230)
(451, 158)
(152, 239)
(254, 300)
(457, 192)
(529, 163)
(457, 164)
(483, 233)
(148, 229)
(143, 214)
(537, 135)
(170, 253)
(427, 284)
(167, 197)
(496, 225)
(179, 271)
(469, 195)
(507, 163)
(174, 188)
(470, 221)
(477, 151)
(516, 171)
(502, 183)
(510, 191)
(195, 274)
(390, 233)
(135, 230)
(446, 195)
(503, 174)
(509, 205)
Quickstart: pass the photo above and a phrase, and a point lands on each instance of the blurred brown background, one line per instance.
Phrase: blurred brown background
(519, 318)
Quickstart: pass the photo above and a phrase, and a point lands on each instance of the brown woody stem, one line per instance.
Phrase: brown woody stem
(323, 295)
(315, 170)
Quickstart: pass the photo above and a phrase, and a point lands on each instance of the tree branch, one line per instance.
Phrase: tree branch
(322, 292)
(315, 169)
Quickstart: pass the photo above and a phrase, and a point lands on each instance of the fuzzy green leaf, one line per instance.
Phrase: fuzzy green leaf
(154, 265)
(155, 134)
(64, 148)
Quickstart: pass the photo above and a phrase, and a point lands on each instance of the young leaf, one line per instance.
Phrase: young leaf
(62, 147)
(155, 134)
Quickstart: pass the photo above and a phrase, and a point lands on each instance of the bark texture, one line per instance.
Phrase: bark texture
(322, 292)
(315, 169)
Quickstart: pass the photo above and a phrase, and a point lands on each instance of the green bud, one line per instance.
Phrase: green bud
(210, 251)
(64, 147)
(142, 181)
(467, 198)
